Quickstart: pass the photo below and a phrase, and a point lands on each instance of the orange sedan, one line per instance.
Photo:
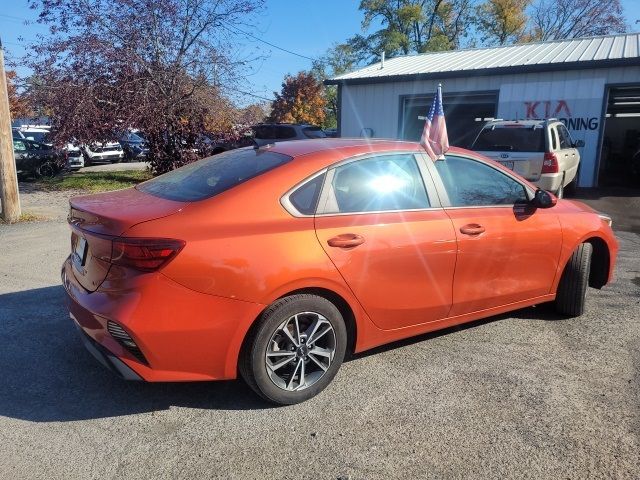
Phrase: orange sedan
(275, 262)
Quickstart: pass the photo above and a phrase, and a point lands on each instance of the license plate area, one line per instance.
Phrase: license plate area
(80, 252)
(508, 164)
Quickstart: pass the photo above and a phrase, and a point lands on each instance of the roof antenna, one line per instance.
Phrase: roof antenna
(261, 142)
(382, 60)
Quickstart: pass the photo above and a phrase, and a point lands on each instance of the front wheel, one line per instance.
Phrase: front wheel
(295, 349)
(572, 289)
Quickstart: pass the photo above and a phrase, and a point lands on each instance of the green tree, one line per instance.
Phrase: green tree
(339, 59)
(411, 26)
(558, 19)
(502, 21)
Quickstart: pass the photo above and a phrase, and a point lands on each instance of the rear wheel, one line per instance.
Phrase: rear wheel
(294, 350)
(47, 170)
(572, 289)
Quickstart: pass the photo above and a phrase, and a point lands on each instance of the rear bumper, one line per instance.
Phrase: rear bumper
(105, 357)
(184, 335)
(549, 181)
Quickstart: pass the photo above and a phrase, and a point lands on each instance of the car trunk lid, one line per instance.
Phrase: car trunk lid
(96, 220)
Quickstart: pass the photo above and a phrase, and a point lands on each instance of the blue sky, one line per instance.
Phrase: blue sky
(304, 26)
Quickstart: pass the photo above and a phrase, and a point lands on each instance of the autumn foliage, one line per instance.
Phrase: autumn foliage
(18, 104)
(301, 100)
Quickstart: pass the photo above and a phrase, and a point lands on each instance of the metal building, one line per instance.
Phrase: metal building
(591, 84)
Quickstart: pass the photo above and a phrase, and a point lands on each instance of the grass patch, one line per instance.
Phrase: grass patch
(26, 217)
(95, 181)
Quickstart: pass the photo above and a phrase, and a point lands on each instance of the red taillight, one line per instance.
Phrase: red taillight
(146, 254)
(550, 163)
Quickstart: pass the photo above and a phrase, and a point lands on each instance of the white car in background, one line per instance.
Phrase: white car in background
(541, 151)
(103, 152)
(75, 159)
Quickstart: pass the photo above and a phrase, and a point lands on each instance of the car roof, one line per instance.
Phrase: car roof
(527, 123)
(347, 146)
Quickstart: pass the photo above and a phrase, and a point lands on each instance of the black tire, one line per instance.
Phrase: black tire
(252, 361)
(570, 189)
(572, 289)
(47, 170)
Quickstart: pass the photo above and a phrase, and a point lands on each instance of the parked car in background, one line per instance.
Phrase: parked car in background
(36, 133)
(274, 262)
(103, 152)
(134, 146)
(75, 158)
(331, 132)
(541, 151)
(36, 159)
(279, 132)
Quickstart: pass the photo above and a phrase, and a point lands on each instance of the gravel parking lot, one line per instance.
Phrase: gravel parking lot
(522, 395)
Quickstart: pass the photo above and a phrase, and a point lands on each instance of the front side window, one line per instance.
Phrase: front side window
(470, 183)
(382, 183)
(213, 175)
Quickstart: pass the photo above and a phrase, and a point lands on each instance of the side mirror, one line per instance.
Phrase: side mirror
(544, 199)
(578, 144)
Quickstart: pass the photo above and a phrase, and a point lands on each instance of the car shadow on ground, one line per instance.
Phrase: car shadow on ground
(544, 312)
(47, 375)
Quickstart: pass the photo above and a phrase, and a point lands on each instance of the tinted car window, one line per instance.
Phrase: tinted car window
(314, 132)
(284, 132)
(210, 176)
(305, 198)
(390, 182)
(470, 183)
(513, 139)
(565, 138)
(265, 132)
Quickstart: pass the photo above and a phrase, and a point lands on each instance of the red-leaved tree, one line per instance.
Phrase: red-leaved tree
(161, 66)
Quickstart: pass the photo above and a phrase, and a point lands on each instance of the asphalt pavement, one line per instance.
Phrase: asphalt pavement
(521, 395)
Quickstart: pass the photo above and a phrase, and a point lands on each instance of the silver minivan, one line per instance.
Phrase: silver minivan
(541, 151)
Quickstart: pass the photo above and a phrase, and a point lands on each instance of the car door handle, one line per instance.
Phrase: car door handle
(346, 240)
(472, 229)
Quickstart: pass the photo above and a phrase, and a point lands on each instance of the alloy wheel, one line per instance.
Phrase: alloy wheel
(300, 351)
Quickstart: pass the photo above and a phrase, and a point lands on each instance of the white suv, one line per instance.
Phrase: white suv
(541, 151)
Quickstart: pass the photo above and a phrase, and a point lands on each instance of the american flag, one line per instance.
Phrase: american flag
(434, 136)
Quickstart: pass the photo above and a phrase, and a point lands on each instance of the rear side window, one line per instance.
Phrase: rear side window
(283, 133)
(565, 138)
(314, 132)
(305, 198)
(210, 176)
(510, 139)
(265, 132)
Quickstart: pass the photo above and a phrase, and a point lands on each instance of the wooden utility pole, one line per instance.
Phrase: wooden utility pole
(8, 178)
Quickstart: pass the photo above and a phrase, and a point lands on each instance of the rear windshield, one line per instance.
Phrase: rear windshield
(511, 139)
(210, 176)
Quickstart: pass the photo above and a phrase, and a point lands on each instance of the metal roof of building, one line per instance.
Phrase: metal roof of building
(590, 52)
